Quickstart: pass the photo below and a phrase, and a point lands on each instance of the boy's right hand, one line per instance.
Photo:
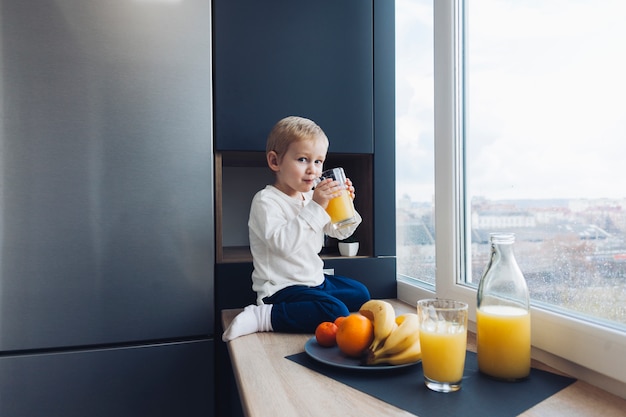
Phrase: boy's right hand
(326, 191)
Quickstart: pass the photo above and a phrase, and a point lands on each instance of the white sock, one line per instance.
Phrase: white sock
(252, 319)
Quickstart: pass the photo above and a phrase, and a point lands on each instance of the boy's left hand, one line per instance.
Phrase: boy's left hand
(350, 188)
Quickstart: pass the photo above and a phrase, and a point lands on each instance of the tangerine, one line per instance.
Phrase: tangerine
(339, 319)
(325, 334)
(355, 334)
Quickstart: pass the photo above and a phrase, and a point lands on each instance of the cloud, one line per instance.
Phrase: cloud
(546, 111)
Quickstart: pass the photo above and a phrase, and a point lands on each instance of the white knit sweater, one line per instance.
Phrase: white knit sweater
(286, 236)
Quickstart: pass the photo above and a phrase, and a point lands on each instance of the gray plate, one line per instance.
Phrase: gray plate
(333, 356)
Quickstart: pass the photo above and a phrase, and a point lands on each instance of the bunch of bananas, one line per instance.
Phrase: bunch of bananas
(396, 339)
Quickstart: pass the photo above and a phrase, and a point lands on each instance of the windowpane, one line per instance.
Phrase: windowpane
(545, 144)
(415, 140)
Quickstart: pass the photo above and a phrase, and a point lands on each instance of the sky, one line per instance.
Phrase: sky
(546, 99)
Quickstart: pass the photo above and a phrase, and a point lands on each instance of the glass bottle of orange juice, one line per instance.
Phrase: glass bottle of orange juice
(503, 314)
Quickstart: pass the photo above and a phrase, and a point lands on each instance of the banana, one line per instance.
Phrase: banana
(396, 339)
(412, 354)
(401, 346)
(383, 316)
(403, 337)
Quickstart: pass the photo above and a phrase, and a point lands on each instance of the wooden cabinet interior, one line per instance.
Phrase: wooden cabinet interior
(239, 175)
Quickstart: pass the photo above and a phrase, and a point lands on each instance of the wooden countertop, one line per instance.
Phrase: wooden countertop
(270, 385)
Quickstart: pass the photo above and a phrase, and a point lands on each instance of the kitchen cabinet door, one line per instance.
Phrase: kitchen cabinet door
(160, 380)
(277, 58)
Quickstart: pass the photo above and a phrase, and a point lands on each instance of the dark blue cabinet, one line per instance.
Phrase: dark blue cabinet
(277, 58)
(331, 61)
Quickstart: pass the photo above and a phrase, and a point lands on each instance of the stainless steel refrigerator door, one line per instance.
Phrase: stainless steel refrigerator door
(106, 198)
(162, 380)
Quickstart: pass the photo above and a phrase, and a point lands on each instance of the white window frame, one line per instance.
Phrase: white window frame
(585, 350)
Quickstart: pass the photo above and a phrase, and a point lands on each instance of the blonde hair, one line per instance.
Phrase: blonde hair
(289, 130)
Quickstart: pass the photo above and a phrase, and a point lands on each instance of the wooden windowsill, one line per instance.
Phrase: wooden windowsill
(269, 385)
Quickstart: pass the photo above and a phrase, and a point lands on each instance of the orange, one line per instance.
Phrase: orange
(325, 334)
(339, 319)
(355, 334)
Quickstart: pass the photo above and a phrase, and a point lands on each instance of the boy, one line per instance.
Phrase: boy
(286, 228)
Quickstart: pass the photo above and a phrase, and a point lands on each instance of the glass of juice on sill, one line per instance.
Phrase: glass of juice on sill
(443, 339)
(340, 209)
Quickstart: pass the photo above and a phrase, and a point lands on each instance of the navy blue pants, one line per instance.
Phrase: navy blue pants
(299, 309)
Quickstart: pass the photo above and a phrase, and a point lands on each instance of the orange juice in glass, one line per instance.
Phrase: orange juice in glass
(503, 341)
(340, 209)
(443, 339)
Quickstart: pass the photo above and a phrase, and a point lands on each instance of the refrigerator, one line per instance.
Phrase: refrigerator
(106, 208)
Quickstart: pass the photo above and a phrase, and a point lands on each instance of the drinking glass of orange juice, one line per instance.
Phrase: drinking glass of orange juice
(443, 339)
(340, 209)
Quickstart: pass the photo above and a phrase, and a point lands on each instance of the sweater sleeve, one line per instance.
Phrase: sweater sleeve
(283, 233)
(343, 232)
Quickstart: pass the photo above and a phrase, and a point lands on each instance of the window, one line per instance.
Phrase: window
(529, 122)
(415, 161)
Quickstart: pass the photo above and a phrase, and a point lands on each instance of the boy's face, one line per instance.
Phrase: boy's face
(300, 166)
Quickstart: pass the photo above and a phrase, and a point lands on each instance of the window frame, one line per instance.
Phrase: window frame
(583, 349)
